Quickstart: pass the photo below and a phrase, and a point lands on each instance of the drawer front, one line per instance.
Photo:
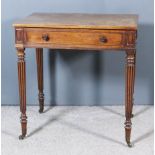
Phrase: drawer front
(72, 38)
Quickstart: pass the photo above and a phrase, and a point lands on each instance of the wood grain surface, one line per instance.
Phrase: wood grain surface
(71, 38)
(76, 31)
(76, 20)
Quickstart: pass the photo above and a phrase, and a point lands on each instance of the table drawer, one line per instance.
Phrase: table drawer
(74, 38)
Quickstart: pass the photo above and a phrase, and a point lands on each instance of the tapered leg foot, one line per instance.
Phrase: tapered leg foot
(41, 111)
(129, 144)
(21, 137)
(128, 132)
(128, 141)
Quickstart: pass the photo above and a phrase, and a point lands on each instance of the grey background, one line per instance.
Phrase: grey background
(74, 77)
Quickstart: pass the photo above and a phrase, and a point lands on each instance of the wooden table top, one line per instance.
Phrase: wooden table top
(77, 20)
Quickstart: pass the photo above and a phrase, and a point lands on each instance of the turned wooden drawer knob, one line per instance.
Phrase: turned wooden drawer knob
(45, 37)
(103, 39)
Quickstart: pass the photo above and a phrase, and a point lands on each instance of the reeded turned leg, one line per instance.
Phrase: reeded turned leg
(130, 76)
(39, 60)
(133, 82)
(22, 90)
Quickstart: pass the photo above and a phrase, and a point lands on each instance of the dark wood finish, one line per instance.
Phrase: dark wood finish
(39, 60)
(76, 31)
(22, 90)
(130, 76)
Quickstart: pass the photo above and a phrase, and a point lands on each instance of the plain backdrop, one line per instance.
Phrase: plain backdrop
(75, 77)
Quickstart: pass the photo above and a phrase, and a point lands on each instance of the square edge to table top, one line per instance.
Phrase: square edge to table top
(79, 21)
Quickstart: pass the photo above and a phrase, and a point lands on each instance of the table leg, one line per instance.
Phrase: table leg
(133, 81)
(130, 76)
(22, 90)
(39, 60)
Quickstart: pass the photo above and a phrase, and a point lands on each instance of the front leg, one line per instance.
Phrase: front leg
(134, 73)
(130, 75)
(22, 90)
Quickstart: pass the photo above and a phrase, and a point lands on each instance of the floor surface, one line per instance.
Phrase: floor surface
(77, 131)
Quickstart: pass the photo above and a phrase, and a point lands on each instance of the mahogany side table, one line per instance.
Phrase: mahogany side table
(75, 31)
